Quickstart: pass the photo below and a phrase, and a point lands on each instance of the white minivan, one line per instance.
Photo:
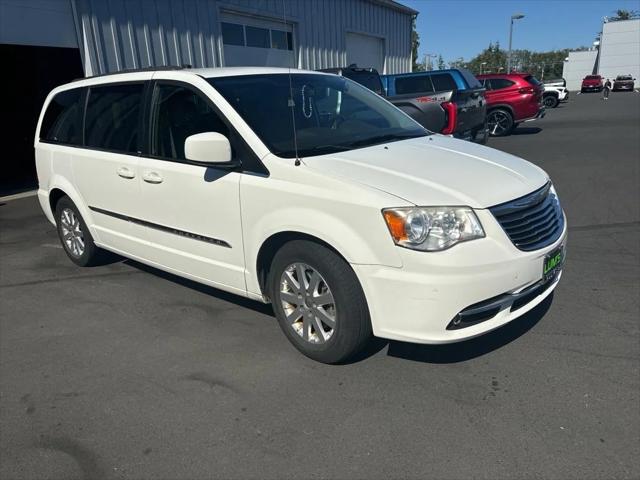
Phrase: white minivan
(305, 190)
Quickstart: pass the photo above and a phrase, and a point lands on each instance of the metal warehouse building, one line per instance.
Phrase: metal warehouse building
(617, 53)
(44, 43)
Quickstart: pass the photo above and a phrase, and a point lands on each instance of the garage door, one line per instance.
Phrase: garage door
(365, 51)
(256, 42)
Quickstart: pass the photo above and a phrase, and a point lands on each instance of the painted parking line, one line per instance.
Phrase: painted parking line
(17, 196)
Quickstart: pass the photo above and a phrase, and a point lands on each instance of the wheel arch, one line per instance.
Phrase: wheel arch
(273, 243)
(502, 106)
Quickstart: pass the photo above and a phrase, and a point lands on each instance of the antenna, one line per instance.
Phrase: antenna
(290, 102)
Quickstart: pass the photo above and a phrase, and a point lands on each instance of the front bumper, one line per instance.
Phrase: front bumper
(418, 301)
(591, 88)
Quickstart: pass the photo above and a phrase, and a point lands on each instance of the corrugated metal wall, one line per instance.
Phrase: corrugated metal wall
(119, 34)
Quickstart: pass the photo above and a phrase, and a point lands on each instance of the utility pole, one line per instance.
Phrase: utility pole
(516, 16)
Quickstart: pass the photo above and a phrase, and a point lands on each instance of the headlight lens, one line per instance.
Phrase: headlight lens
(432, 228)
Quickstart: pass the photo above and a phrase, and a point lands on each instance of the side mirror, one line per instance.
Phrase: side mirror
(208, 147)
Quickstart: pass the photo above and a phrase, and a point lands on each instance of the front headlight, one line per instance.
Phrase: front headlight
(432, 228)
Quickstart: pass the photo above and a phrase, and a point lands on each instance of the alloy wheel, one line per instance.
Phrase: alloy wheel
(498, 122)
(72, 234)
(308, 303)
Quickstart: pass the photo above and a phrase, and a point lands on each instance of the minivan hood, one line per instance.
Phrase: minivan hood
(436, 170)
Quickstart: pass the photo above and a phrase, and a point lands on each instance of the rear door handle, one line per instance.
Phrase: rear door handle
(152, 177)
(126, 172)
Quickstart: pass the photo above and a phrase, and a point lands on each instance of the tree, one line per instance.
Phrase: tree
(625, 15)
(415, 45)
(441, 64)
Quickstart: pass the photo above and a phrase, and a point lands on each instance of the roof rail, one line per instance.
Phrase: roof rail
(135, 70)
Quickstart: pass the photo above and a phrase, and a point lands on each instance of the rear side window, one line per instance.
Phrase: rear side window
(62, 122)
(499, 83)
(112, 120)
(414, 84)
(443, 82)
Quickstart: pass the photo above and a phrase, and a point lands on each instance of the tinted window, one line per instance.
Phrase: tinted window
(443, 82)
(371, 80)
(180, 112)
(257, 37)
(112, 119)
(62, 122)
(498, 83)
(232, 34)
(414, 84)
(281, 40)
(486, 83)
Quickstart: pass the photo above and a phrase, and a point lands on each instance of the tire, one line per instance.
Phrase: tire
(550, 101)
(504, 120)
(330, 332)
(75, 237)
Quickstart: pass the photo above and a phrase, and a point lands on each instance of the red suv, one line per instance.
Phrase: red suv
(592, 83)
(511, 98)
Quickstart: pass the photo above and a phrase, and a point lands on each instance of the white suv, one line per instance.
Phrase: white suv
(305, 190)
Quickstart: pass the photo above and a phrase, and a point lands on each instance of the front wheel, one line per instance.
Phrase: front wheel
(550, 101)
(500, 122)
(318, 302)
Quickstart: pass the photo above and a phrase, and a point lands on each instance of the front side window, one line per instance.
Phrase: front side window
(330, 113)
(180, 112)
(112, 120)
(62, 122)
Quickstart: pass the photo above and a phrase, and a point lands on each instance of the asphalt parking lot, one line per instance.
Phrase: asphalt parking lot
(122, 371)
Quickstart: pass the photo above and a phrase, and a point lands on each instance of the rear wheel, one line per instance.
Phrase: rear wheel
(550, 101)
(499, 122)
(75, 236)
(318, 302)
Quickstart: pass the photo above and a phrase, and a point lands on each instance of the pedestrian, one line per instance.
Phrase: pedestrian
(606, 89)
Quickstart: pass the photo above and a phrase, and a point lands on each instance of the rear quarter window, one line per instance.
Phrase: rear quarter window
(443, 82)
(62, 122)
(413, 84)
(499, 83)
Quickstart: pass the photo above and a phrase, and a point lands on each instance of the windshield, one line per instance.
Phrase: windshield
(624, 77)
(592, 77)
(331, 113)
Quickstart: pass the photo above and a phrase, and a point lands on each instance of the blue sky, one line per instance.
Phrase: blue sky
(463, 28)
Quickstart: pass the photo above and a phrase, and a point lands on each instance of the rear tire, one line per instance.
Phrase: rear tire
(327, 319)
(499, 122)
(75, 237)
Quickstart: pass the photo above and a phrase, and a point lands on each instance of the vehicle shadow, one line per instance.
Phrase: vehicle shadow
(202, 288)
(476, 347)
(526, 131)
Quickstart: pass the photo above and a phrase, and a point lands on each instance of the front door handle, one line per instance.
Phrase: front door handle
(152, 177)
(126, 172)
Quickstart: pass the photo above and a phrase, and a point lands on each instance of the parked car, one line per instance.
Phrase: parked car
(623, 82)
(555, 82)
(553, 95)
(592, 83)
(319, 197)
(512, 98)
(450, 102)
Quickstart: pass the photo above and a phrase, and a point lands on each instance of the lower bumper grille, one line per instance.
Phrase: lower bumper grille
(533, 221)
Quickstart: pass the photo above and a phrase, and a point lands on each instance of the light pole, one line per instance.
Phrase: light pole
(516, 16)
(430, 64)
(482, 67)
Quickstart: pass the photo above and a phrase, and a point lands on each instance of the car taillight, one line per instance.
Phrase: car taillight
(526, 90)
(452, 117)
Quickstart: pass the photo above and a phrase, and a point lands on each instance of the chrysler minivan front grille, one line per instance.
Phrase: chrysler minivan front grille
(533, 221)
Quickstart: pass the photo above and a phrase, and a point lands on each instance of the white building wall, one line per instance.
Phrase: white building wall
(579, 65)
(620, 49)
